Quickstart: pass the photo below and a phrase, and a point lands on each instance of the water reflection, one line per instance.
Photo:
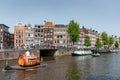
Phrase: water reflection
(26, 75)
(73, 72)
(10, 62)
(79, 68)
(50, 58)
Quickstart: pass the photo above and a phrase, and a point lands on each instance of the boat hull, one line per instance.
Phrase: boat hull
(17, 67)
(27, 61)
(81, 53)
(101, 51)
(74, 54)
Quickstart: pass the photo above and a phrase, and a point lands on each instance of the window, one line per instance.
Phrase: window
(61, 36)
(57, 36)
(45, 34)
(51, 30)
(28, 35)
(64, 41)
(61, 42)
(41, 35)
(57, 41)
(41, 30)
(35, 35)
(38, 35)
(45, 39)
(19, 36)
(31, 35)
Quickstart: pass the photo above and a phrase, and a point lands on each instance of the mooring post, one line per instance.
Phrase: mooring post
(6, 60)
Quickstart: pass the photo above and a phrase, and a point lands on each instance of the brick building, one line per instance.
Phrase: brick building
(29, 36)
(48, 33)
(19, 35)
(38, 35)
(60, 35)
(6, 38)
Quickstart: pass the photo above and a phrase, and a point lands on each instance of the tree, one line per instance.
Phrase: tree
(111, 41)
(87, 41)
(73, 31)
(119, 39)
(98, 43)
(105, 38)
(116, 44)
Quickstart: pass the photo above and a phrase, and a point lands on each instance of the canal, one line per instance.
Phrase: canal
(105, 67)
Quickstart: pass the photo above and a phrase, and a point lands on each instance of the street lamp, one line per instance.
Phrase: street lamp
(1, 41)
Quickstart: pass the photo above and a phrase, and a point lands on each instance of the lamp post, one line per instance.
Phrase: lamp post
(1, 41)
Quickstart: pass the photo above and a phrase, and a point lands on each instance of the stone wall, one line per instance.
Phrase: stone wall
(13, 54)
(62, 52)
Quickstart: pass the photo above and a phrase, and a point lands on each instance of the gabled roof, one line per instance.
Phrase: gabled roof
(19, 24)
(48, 23)
(84, 30)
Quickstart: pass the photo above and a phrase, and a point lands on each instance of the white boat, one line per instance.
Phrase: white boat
(81, 52)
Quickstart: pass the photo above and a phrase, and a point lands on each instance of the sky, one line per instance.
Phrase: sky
(99, 15)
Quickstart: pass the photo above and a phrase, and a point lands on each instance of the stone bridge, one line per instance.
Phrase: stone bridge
(13, 54)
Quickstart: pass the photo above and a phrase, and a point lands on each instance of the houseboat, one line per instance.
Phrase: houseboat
(82, 52)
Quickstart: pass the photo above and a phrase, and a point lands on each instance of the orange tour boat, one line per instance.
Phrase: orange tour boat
(27, 61)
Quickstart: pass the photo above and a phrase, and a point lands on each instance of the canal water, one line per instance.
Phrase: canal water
(105, 67)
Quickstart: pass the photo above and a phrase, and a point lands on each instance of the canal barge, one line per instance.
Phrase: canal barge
(26, 61)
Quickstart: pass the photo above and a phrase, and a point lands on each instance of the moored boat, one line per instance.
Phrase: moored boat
(82, 52)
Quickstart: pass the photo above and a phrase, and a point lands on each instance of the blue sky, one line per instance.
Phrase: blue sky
(100, 15)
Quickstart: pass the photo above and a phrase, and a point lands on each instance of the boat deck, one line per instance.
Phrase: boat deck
(17, 67)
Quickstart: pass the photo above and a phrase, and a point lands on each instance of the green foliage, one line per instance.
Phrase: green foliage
(119, 39)
(87, 41)
(105, 38)
(98, 43)
(116, 44)
(73, 31)
(111, 40)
